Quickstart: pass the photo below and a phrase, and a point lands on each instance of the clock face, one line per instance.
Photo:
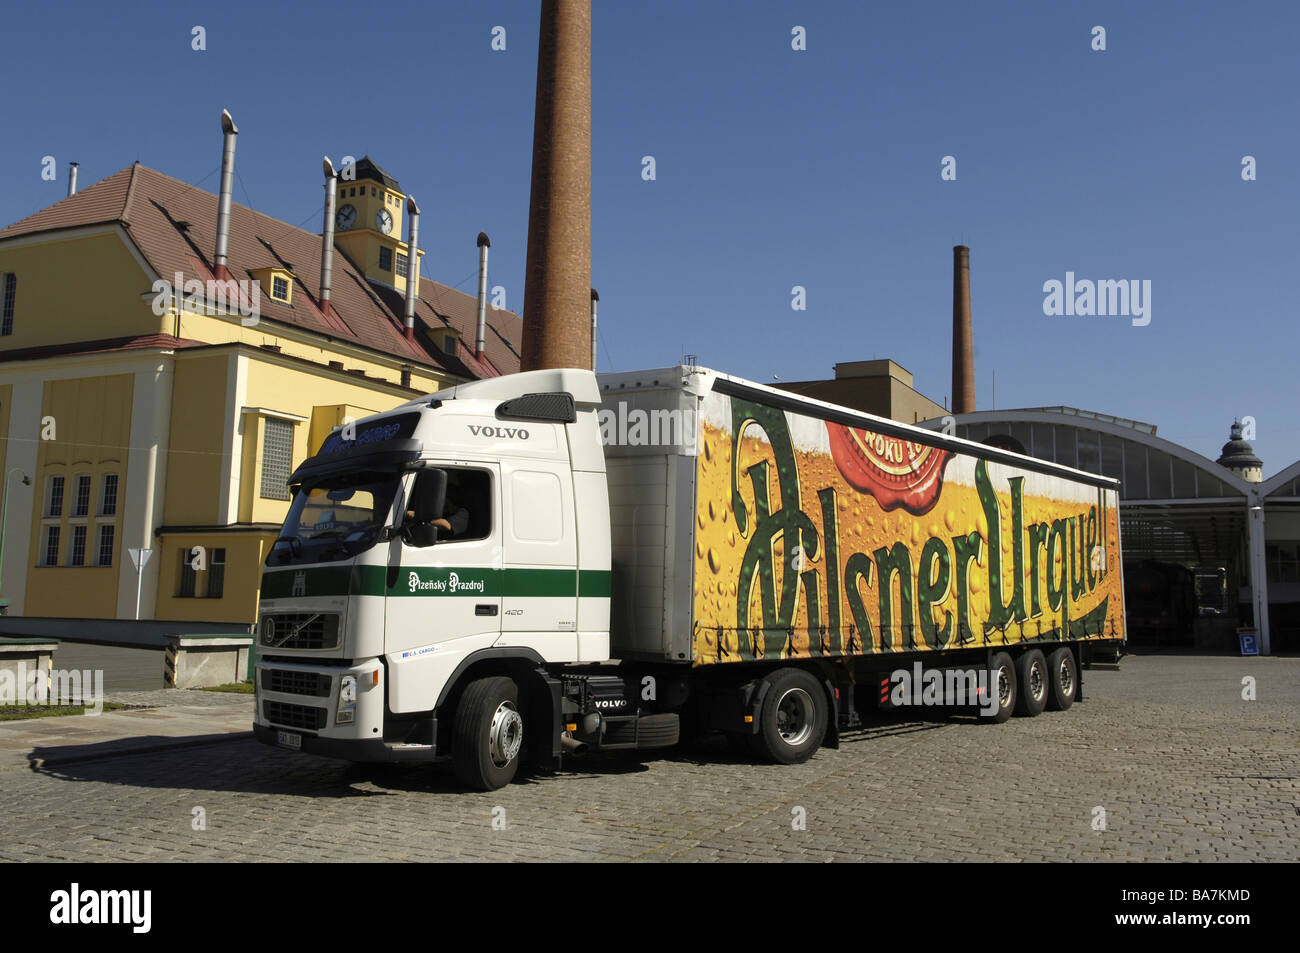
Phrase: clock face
(345, 217)
(384, 221)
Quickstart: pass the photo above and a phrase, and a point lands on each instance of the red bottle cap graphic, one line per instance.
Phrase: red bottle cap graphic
(895, 471)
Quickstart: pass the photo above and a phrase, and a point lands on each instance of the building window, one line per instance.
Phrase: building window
(386, 259)
(81, 504)
(78, 555)
(188, 575)
(373, 191)
(216, 572)
(108, 501)
(1282, 561)
(105, 545)
(277, 455)
(402, 265)
(54, 496)
(449, 343)
(51, 546)
(279, 288)
(10, 293)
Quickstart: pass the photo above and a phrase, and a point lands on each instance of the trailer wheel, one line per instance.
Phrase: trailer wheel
(794, 717)
(1034, 683)
(488, 734)
(1002, 683)
(1065, 680)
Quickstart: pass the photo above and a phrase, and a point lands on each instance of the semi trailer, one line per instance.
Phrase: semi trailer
(528, 567)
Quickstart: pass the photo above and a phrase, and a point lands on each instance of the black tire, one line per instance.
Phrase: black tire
(1033, 683)
(793, 721)
(1003, 685)
(662, 730)
(1065, 679)
(488, 734)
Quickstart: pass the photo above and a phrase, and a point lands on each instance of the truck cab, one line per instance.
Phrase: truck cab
(435, 557)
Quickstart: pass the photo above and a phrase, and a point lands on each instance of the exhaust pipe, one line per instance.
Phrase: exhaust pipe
(480, 338)
(327, 237)
(412, 260)
(594, 298)
(573, 745)
(223, 204)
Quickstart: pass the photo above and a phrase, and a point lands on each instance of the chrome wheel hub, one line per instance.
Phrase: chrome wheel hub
(506, 734)
(794, 717)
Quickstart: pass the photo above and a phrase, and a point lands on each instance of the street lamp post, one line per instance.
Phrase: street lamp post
(4, 514)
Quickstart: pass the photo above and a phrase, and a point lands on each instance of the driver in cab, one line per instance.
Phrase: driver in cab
(454, 520)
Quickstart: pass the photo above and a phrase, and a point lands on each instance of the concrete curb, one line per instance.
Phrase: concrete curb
(37, 764)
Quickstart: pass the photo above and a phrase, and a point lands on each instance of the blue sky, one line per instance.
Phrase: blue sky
(775, 168)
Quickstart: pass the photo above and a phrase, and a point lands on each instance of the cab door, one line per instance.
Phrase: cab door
(540, 596)
(449, 591)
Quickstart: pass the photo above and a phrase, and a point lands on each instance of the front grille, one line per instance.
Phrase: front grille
(296, 683)
(294, 716)
(315, 630)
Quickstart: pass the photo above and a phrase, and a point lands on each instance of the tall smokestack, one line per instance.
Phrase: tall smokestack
(963, 348)
(556, 331)
(72, 179)
(223, 204)
(412, 262)
(594, 298)
(480, 337)
(327, 238)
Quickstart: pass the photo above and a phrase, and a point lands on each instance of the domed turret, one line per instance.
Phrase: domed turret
(1239, 457)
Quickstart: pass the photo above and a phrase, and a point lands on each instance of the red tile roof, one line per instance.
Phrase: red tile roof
(174, 223)
(140, 342)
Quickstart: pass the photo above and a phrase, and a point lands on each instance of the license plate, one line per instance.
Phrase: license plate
(287, 739)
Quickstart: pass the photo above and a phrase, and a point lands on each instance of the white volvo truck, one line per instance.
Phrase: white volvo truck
(530, 566)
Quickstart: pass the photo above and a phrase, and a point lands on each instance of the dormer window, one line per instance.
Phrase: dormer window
(276, 282)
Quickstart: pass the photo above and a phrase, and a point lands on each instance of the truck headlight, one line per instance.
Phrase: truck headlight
(347, 708)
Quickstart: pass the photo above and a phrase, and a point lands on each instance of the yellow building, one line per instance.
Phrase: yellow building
(155, 407)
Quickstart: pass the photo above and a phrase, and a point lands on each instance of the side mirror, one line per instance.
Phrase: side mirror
(428, 494)
(420, 534)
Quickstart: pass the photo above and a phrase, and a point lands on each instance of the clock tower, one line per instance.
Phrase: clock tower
(369, 221)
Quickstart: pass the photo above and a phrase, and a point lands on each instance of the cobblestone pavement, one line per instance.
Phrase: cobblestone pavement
(1183, 768)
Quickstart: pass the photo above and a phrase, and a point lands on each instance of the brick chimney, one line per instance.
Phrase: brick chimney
(556, 331)
(963, 348)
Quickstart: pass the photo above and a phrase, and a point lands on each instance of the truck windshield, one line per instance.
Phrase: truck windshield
(335, 518)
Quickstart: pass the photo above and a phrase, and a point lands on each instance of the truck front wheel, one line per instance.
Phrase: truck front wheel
(793, 719)
(489, 734)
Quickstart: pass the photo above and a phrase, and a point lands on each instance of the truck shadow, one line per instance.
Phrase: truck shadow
(244, 766)
(239, 766)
